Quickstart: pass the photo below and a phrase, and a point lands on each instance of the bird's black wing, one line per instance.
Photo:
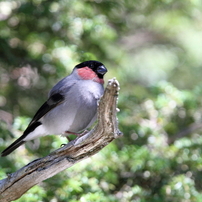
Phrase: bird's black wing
(52, 102)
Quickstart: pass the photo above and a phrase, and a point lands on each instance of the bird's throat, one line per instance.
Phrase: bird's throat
(88, 74)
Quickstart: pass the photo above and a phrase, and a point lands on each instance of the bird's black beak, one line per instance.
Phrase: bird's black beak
(101, 70)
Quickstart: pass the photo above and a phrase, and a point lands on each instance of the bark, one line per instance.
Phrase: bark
(106, 130)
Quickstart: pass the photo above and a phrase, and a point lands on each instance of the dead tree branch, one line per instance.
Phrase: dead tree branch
(106, 130)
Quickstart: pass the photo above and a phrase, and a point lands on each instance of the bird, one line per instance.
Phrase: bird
(71, 106)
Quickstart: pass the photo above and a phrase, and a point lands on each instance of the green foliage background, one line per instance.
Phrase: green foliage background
(154, 49)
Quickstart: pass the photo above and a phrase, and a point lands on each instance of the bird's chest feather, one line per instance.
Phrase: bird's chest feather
(79, 106)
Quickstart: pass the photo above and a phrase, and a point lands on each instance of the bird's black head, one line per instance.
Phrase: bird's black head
(96, 66)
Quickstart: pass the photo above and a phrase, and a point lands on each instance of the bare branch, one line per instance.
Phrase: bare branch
(106, 130)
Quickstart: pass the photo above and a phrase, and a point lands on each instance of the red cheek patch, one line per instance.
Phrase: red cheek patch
(88, 74)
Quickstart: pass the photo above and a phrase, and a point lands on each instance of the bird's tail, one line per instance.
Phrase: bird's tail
(12, 147)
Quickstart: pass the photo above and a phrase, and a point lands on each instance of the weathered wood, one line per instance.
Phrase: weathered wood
(106, 130)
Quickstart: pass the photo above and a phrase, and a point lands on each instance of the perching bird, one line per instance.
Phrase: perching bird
(71, 105)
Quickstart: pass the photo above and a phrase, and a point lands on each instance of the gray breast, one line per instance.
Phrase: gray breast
(78, 111)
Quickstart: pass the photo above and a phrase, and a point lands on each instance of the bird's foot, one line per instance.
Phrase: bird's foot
(77, 134)
(73, 133)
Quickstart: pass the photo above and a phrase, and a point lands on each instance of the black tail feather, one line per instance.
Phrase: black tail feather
(12, 147)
